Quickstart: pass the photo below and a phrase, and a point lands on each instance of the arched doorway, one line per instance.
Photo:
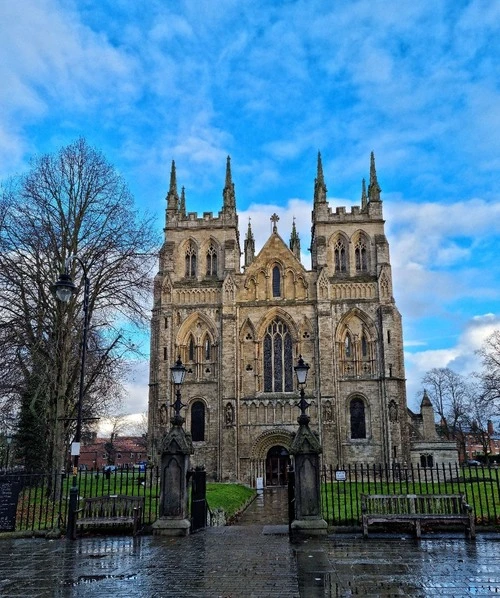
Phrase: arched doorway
(277, 462)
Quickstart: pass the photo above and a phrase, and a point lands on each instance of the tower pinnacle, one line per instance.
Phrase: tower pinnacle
(249, 246)
(363, 195)
(172, 196)
(373, 188)
(295, 241)
(228, 195)
(319, 184)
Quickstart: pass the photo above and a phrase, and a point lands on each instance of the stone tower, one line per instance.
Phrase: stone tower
(239, 331)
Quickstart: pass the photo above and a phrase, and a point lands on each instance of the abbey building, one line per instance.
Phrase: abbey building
(240, 329)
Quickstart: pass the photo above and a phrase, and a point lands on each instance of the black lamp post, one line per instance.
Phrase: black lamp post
(178, 372)
(301, 371)
(63, 290)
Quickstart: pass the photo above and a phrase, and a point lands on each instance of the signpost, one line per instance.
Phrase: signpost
(9, 493)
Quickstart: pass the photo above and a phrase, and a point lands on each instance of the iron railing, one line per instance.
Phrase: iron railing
(42, 500)
(341, 488)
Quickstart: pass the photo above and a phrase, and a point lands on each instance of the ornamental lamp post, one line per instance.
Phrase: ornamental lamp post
(176, 448)
(301, 371)
(306, 517)
(63, 290)
(178, 373)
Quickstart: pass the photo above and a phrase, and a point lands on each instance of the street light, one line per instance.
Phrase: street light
(63, 290)
(301, 371)
(178, 372)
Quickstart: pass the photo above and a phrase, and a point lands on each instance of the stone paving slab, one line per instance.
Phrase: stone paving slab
(243, 561)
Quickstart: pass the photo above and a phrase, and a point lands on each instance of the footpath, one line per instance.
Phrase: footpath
(252, 559)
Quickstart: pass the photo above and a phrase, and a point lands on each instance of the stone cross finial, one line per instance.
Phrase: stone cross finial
(274, 219)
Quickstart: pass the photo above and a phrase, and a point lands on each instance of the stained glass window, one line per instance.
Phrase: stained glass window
(278, 358)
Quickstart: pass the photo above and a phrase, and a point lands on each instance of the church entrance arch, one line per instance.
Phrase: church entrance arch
(277, 462)
(270, 457)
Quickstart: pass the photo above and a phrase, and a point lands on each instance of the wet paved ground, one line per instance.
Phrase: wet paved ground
(251, 559)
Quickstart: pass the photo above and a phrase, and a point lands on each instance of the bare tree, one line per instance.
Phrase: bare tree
(449, 393)
(72, 203)
(490, 374)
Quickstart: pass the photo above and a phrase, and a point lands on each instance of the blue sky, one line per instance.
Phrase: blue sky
(270, 83)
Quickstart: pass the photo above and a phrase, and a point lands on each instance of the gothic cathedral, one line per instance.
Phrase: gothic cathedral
(241, 330)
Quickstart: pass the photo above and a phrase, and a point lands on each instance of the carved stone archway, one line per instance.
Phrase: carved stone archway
(261, 447)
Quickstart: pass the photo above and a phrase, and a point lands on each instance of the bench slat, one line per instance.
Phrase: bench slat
(416, 508)
(110, 510)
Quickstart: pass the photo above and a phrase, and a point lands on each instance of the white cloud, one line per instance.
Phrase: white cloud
(461, 357)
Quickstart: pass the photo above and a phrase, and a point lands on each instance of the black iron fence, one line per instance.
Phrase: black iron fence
(39, 502)
(341, 488)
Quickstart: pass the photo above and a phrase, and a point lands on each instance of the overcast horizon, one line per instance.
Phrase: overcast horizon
(270, 84)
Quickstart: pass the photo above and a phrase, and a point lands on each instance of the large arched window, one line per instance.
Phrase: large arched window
(340, 256)
(198, 421)
(276, 282)
(278, 358)
(212, 261)
(358, 421)
(191, 260)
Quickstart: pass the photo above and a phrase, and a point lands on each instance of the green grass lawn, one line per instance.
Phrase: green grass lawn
(231, 498)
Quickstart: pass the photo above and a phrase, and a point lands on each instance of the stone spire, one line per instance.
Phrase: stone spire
(172, 195)
(249, 246)
(295, 241)
(363, 195)
(182, 203)
(228, 195)
(373, 188)
(319, 184)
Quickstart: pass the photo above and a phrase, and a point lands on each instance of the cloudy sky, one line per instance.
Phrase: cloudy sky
(270, 83)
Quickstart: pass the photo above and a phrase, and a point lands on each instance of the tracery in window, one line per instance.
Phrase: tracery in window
(211, 261)
(198, 421)
(278, 358)
(191, 260)
(360, 255)
(340, 256)
(276, 282)
(358, 422)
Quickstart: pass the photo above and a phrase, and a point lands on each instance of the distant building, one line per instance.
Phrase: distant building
(123, 451)
(240, 331)
(473, 447)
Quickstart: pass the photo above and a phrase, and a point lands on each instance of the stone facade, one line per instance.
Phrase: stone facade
(239, 331)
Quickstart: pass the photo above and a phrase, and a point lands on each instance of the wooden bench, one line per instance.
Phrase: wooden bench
(111, 510)
(417, 509)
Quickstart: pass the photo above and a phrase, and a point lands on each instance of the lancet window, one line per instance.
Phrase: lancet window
(191, 260)
(340, 256)
(358, 419)
(278, 358)
(212, 261)
(276, 282)
(198, 421)
(360, 254)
